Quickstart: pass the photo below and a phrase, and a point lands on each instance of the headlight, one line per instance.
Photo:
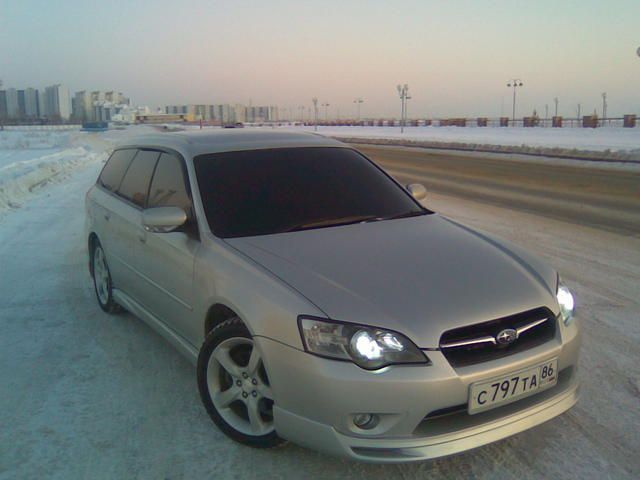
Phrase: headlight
(566, 302)
(368, 347)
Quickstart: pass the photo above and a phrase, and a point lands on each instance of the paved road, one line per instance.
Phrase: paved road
(602, 197)
(85, 395)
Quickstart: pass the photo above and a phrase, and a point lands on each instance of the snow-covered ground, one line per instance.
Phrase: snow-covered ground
(87, 395)
(33, 157)
(593, 139)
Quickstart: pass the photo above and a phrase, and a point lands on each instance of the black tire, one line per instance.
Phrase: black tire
(109, 305)
(229, 329)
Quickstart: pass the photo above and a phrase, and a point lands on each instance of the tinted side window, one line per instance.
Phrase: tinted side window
(115, 169)
(135, 185)
(168, 188)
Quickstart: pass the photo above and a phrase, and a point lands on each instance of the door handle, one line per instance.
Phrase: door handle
(142, 237)
(107, 216)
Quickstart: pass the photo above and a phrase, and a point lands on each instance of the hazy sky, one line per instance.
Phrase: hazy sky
(455, 55)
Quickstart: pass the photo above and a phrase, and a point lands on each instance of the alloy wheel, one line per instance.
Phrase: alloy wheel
(239, 387)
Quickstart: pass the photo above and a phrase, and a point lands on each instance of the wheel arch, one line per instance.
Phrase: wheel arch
(218, 313)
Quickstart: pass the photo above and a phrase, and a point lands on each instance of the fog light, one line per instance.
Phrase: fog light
(365, 421)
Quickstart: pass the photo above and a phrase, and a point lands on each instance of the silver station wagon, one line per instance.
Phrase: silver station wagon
(322, 303)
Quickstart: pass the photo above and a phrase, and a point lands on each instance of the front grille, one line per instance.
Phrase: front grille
(479, 343)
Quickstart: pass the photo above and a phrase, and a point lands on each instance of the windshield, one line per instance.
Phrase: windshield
(260, 192)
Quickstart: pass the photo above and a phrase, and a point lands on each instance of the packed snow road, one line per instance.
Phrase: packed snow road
(87, 395)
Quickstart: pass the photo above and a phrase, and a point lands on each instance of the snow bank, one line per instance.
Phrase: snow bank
(23, 140)
(589, 143)
(29, 160)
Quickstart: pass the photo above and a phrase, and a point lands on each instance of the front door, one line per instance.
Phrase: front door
(166, 260)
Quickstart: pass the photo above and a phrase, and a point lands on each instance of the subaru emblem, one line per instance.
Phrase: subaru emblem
(507, 336)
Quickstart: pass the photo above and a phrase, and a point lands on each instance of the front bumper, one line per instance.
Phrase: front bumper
(315, 399)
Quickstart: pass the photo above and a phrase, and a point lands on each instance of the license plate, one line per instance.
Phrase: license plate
(508, 388)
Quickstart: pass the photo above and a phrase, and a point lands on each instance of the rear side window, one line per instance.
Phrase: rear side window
(135, 184)
(168, 188)
(115, 169)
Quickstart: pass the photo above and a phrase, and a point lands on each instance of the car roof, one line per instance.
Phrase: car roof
(193, 143)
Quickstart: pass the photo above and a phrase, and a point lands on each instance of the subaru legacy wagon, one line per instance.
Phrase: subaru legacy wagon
(322, 303)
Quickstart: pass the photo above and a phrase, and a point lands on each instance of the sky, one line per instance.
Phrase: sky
(456, 56)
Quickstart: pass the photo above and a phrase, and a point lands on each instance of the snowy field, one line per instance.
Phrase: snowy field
(33, 157)
(612, 139)
(87, 395)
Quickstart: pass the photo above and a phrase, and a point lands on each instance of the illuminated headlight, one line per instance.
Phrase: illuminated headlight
(566, 302)
(368, 347)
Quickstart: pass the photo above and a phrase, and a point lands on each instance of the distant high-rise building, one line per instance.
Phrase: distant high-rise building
(57, 102)
(42, 108)
(83, 106)
(262, 114)
(240, 113)
(31, 103)
(21, 105)
(13, 109)
(3, 105)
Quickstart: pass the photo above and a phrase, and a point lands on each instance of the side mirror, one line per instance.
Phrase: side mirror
(417, 191)
(163, 219)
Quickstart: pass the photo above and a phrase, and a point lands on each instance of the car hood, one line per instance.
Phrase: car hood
(419, 276)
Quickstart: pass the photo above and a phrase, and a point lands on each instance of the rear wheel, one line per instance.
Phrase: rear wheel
(234, 386)
(102, 281)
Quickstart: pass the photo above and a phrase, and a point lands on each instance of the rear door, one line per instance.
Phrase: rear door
(166, 260)
(132, 193)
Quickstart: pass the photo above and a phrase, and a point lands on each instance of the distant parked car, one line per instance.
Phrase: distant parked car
(234, 125)
(322, 303)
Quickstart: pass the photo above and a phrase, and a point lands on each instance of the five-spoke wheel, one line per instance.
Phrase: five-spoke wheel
(234, 385)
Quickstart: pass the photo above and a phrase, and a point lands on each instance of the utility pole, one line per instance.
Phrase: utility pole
(403, 93)
(326, 106)
(315, 112)
(301, 108)
(555, 100)
(358, 102)
(604, 107)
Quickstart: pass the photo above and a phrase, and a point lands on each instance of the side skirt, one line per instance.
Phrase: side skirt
(183, 346)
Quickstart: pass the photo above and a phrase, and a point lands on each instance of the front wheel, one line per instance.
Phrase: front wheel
(234, 386)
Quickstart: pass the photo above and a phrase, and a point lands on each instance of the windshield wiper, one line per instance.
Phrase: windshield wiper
(404, 215)
(334, 222)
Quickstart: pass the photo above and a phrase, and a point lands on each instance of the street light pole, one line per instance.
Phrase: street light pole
(515, 83)
(555, 100)
(403, 93)
(604, 107)
(546, 114)
(358, 102)
(579, 106)
(326, 106)
(315, 112)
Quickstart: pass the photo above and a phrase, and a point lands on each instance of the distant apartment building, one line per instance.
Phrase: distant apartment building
(31, 103)
(224, 113)
(3, 105)
(259, 114)
(240, 113)
(13, 109)
(100, 106)
(57, 102)
(19, 104)
(82, 106)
